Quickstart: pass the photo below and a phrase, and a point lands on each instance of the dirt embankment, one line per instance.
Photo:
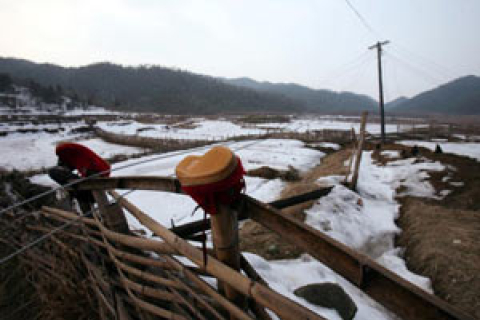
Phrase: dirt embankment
(440, 237)
(261, 241)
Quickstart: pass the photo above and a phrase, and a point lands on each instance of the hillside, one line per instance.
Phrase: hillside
(150, 88)
(322, 101)
(459, 97)
(396, 102)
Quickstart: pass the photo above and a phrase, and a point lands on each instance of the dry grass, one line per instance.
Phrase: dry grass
(47, 281)
(443, 244)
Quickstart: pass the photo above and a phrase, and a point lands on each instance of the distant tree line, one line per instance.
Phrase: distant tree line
(150, 88)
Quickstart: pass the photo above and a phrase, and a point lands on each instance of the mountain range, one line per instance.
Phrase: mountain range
(458, 97)
(165, 90)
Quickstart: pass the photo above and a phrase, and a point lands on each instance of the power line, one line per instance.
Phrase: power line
(361, 18)
(416, 70)
(439, 68)
(346, 67)
(360, 72)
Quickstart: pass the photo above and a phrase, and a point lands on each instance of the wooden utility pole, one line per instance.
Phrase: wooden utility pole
(378, 46)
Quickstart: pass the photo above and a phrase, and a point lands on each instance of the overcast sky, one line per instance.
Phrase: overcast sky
(319, 43)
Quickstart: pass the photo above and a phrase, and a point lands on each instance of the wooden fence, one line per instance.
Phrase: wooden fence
(139, 278)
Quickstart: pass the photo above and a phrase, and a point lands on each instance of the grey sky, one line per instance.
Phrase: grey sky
(318, 43)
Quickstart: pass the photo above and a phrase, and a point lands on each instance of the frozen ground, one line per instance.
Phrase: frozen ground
(37, 151)
(468, 149)
(178, 208)
(200, 129)
(365, 221)
(303, 125)
(222, 128)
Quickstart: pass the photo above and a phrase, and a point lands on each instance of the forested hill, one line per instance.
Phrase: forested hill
(324, 101)
(458, 97)
(150, 88)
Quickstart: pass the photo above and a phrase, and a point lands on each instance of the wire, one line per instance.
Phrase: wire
(360, 72)
(96, 175)
(9, 316)
(361, 18)
(53, 231)
(417, 70)
(440, 69)
(163, 156)
(345, 68)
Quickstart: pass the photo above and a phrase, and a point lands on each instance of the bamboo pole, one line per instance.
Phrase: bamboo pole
(146, 261)
(258, 310)
(122, 312)
(138, 302)
(224, 226)
(150, 291)
(187, 303)
(207, 289)
(68, 215)
(200, 300)
(279, 304)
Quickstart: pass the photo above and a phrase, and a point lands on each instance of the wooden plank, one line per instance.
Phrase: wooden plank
(334, 254)
(131, 182)
(198, 226)
(301, 198)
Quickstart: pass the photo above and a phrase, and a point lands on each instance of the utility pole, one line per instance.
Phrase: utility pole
(378, 46)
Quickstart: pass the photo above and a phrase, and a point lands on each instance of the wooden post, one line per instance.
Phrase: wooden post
(224, 226)
(112, 213)
(358, 156)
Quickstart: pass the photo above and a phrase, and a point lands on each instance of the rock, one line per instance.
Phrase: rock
(415, 151)
(273, 249)
(329, 295)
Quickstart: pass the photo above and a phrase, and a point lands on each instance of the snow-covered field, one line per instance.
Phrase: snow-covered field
(364, 221)
(468, 149)
(37, 151)
(201, 129)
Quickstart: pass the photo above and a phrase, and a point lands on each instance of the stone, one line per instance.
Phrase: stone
(329, 295)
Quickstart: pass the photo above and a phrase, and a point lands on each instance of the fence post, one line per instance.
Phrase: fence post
(224, 226)
(112, 213)
(358, 156)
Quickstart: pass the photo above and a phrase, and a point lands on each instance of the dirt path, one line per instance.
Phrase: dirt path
(261, 241)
